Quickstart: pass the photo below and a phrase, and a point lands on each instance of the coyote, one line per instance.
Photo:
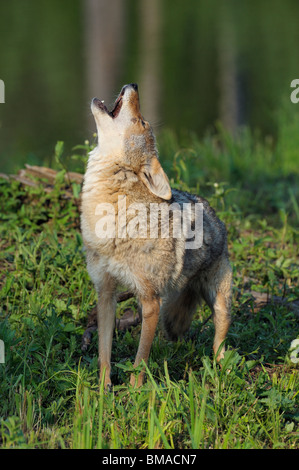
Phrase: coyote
(168, 278)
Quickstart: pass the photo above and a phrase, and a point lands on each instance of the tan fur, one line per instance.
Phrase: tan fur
(125, 164)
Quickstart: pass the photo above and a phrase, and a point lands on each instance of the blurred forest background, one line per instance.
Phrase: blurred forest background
(197, 62)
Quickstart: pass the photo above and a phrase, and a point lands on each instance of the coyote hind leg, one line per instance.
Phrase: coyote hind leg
(221, 318)
(217, 293)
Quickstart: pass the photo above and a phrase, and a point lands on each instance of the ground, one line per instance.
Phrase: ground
(50, 396)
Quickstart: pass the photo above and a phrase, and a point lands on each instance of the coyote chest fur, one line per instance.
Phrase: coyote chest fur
(165, 245)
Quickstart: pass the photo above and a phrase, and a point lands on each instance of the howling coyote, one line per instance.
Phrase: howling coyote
(167, 271)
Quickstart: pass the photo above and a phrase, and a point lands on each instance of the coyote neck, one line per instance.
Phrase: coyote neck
(99, 172)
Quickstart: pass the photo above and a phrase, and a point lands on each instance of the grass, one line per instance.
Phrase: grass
(50, 396)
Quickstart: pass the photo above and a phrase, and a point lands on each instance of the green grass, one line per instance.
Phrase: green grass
(50, 396)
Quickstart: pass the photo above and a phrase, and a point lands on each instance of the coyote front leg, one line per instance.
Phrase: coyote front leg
(106, 319)
(150, 316)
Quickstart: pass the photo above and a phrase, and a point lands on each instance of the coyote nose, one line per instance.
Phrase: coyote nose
(135, 86)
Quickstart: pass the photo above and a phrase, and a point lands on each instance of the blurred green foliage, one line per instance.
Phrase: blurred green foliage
(43, 65)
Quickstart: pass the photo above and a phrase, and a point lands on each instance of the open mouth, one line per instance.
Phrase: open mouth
(116, 108)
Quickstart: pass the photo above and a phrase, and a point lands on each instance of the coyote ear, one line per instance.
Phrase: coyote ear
(154, 178)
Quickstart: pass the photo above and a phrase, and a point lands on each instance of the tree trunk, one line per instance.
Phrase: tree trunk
(227, 66)
(104, 31)
(150, 44)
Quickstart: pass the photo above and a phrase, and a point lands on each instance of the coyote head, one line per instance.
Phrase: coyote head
(126, 139)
